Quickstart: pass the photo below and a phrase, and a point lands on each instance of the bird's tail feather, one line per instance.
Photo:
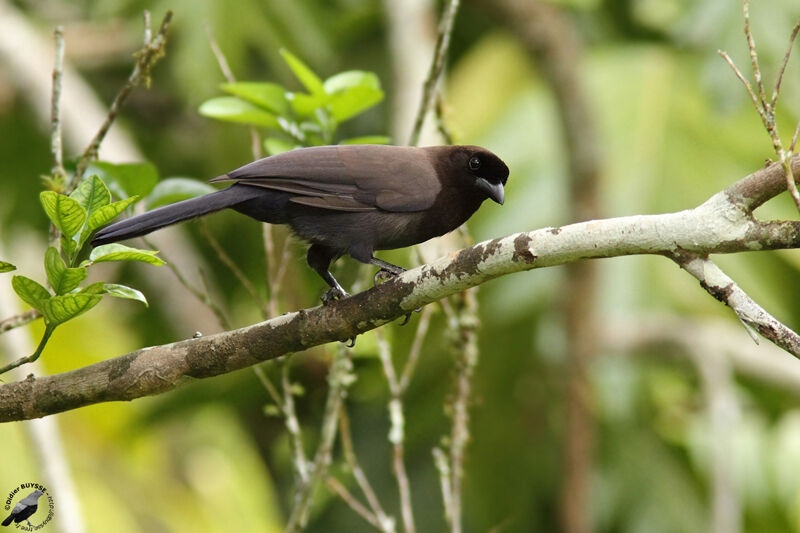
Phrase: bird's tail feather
(8, 520)
(167, 215)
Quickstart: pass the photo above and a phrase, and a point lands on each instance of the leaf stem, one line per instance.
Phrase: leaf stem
(48, 331)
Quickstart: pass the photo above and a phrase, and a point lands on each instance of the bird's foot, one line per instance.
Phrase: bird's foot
(408, 316)
(349, 343)
(386, 274)
(335, 293)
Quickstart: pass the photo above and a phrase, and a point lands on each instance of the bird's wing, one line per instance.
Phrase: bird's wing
(347, 177)
(21, 506)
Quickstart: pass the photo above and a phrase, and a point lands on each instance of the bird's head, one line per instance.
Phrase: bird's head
(479, 168)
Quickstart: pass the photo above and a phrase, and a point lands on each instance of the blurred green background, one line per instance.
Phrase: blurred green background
(673, 127)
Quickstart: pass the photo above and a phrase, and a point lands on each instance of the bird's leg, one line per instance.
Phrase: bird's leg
(387, 267)
(319, 259)
(387, 271)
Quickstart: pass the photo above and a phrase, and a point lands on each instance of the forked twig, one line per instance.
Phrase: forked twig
(146, 58)
(765, 108)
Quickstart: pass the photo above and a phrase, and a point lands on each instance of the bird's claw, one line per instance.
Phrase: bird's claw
(408, 316)
(380, 276)
(335, 293)
(349, 343)
(384, 274)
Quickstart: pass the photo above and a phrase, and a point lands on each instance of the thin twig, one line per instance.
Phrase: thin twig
(339, 378)
(777, 90)
(352, 502)
(202, 297)
(146, 58)
(416, 348)
(765, 109)
(794, 138)
(19, 320)
(442, 463)
(59, 174)
(385, 522)
(267, 384)
(744, 81)
(269, 257)
(441, 124)
(299, 460)
(224, 66)
(148, 32)
(234, 268)
(397, 433)
(751, 45)
(437, 65)
(462, 323)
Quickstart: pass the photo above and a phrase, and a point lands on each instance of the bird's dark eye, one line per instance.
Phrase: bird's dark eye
(474, 163)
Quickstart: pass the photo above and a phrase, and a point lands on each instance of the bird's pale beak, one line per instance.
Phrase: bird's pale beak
(495, 191)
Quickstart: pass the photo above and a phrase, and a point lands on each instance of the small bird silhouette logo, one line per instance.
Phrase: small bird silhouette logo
(24, 509)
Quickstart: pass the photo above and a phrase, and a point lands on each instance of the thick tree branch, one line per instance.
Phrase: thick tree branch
(723, 224)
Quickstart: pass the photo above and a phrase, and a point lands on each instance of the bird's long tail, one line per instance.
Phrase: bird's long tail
(167, 215)
(8, 520)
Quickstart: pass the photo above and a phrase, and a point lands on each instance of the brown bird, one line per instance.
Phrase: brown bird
(347, 199)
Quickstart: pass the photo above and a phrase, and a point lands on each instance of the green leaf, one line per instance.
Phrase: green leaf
(126, 179)
(352, 78)
(350, 102)
(175, 189)
(305, 104)
(65, 213)
(107, 213)
(68, 246)
(367, 139)
(232, 109)
(97, 287)
(269, 95)
(59, 309)
(352, 92)
(91, 194)
(6, 267)
(275, 146)
(30, 291)
(306, 76)
(122, 291)
(120, 252)
(61, 278)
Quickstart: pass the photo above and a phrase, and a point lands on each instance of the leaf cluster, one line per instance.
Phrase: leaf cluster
(297, 119)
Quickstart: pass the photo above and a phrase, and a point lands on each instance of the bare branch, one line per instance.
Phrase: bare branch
(384, 521)
(234, 268)
(201, 295)
(397, 434)
(794, 138)
(55, 109)
(746, 84)
(339, 378)
(352, 502)
(777, 90)
(255, 138)
(146, 58)
(437, 65)
(751, 45)
(19, 320)
(299, 460)
(416, 349)
(724, 289)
